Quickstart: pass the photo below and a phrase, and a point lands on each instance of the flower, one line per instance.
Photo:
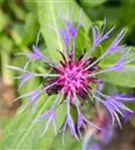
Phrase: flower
(95, 139)
(98, 36)
(127, 115)
(77, 78)
(114, 104)
(36, 55)
(114, 47)
(94, 147)
(27, 75)
(50, 115)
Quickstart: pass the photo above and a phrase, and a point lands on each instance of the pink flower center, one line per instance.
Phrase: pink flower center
(73, 78)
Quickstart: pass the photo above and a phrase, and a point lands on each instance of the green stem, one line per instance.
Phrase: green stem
(6, 73)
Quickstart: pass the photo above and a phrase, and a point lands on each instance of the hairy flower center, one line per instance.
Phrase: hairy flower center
(72, 75)
(73, 78)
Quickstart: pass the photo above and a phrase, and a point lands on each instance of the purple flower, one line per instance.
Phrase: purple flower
(114, 47)
(106, 134)
(75, 79)
(98, 36)
(97, 139)
(34, 55)
(114, 105)
(50, 115)
(27, 75)
(71, 28)
(94, 147)
(82, 121)
(65, 36)
(69, 33)
(127, 115)
(70, 123)
(120, 64)
(100, 139)
(24, 77)
(33, 96)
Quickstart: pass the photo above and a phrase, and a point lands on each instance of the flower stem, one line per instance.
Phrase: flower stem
(6, 73)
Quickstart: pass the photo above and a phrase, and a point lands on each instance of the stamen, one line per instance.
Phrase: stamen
(27, 63)
(100, 72)
(15, 68)
(98, 38)
(46, 75)
(49, 86)
(86, 140)
(37, 40)
(96, 61)
(106, 105)
(46, 126)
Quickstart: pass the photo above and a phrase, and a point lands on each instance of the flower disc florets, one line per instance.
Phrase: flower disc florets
(73, 76)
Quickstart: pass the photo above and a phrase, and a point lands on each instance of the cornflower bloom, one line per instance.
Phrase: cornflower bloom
(97, 140)
(77, 78)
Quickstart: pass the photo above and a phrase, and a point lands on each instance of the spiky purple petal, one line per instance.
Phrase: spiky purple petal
(50, 117)
(114, 47)
(127, 115)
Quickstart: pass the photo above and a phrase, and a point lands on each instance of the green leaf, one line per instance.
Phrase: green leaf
(50, 14)
(23, 133)
(92, 3)
(69, 142)
(126, 79)
(4, 20)
(31, 6)
(18, 11)
(20, 131)
(30, 29)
